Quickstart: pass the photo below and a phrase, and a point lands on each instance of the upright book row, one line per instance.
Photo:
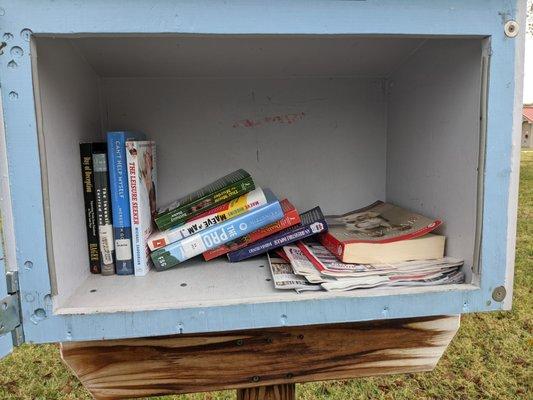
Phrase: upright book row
(119, 186)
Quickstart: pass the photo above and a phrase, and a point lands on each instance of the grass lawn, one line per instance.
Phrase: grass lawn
(490, 358)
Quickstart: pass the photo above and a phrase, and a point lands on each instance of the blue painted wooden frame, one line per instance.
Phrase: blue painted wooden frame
(484, 18)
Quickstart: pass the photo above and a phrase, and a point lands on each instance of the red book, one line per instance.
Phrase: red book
(380, 233)
(290, 218)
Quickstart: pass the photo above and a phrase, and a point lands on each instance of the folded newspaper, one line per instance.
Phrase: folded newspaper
(284, 277)
(310, 266)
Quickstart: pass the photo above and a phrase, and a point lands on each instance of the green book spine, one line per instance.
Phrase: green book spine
(184, 212)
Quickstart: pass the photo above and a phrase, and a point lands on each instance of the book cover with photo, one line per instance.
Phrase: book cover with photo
(382, 232)
(142, 183)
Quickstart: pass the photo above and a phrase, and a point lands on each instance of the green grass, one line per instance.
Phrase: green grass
(490, 358)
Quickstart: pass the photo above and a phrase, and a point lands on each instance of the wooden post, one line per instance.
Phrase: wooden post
(285, 391)
(262, 364)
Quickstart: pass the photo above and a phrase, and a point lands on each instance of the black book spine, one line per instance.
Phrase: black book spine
(87, 176)
(103, 213)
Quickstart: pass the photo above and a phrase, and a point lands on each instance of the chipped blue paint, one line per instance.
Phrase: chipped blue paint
(18, 19)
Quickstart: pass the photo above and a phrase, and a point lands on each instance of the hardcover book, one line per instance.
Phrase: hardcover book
(221, 191)
(382, 232)
(142, 180)
(290, 218)
(103, 212)
(118, 183)
(89, 197)
(312, 222)
(218, 234)
(249, 201)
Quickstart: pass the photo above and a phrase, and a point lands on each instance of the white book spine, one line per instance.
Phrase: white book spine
(141, 207)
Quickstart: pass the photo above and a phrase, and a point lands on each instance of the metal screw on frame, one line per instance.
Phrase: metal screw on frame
(511, 28)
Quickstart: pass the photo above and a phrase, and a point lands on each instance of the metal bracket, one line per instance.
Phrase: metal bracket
(10, 320)
(12, 282)
(9, 313)
(18, 336)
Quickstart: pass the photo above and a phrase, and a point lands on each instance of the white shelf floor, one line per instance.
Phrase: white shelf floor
(196, 283)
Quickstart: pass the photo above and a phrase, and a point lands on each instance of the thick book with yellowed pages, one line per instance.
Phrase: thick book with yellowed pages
(381, 233)
(425, 247)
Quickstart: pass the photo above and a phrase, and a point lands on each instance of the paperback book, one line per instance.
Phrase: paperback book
(89, 197)
(142, 181)
(118, 183)
(249, 201)
(290, 218)
(221, 191)
(103, 212)
(382, 232)
(218, 234)
(312, 222)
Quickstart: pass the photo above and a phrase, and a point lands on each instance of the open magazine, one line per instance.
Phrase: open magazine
(379, 223)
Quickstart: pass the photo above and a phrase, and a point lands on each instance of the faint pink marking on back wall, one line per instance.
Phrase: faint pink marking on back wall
(286, 119)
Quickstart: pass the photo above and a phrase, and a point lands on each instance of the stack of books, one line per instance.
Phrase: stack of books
(379, 245)
(231, 217)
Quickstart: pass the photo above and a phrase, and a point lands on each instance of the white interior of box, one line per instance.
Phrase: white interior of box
(335, 121)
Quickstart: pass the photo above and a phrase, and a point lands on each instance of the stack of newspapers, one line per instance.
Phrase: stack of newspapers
(310, 266)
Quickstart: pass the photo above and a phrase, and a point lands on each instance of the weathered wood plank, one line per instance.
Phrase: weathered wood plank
(118, 369)
(285, 391)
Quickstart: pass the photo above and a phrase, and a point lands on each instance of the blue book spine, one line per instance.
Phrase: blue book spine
(218, 234)
(118, 182)
(313, 222)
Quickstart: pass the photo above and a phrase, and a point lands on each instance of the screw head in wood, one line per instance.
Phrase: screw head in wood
(499, 293)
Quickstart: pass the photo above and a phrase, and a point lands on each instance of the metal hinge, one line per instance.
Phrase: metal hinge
(10, 315)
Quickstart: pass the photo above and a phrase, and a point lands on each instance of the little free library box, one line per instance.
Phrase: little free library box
(330, 103)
